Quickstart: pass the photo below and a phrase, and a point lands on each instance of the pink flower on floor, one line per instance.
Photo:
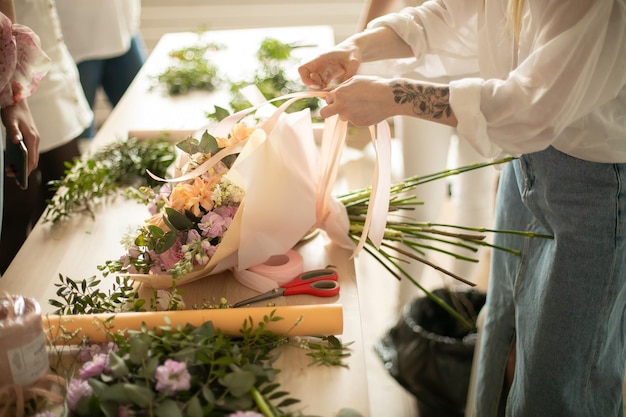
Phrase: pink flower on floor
(172, 376)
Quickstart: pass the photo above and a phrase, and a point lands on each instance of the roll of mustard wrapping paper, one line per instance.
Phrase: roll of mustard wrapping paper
(307, 320)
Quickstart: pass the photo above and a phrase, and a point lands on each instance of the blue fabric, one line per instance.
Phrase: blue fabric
(114, 75)
(563, 301)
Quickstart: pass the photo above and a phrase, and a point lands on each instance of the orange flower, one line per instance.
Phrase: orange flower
(238, 133)
(193, 196)
(157, 220)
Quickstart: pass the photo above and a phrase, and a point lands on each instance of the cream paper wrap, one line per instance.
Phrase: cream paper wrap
(288, 191)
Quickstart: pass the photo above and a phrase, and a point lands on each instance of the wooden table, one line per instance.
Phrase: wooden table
(76, 247)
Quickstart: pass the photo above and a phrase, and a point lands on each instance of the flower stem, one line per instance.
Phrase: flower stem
(264, 408)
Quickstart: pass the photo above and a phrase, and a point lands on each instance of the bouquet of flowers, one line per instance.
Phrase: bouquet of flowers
(189, 218)
(247, 191)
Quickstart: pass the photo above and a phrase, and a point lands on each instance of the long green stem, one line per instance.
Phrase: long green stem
(264, 408)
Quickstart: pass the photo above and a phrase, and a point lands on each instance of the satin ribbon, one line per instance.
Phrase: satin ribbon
(277, 270)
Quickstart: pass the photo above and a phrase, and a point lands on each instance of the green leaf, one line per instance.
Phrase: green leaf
(98, 387)
(140, 395)
(166, 242)
(208, 144)
(239, 382)
(178, 220)
(194, 409)
(189, 145)
(168, 408)
(208, 395)
(117, 365)
(149, 367)
(220, 113)
(139, 350)
(114, 393)
(155, 230)
(348, 412)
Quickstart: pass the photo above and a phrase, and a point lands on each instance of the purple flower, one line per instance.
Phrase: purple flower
(228, 212)
(193, 236)
(172, 376)
(76, 390)
(245, 414)
(170, 257)
(88, 352)
(95, 366)
(212, 225)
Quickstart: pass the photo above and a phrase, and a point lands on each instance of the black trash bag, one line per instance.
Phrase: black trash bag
(430, 353)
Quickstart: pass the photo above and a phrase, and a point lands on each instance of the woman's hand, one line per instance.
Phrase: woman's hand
(362, 100)
(19, 124)
(331, 68)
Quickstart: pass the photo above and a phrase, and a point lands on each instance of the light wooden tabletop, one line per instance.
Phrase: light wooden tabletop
(74, 248)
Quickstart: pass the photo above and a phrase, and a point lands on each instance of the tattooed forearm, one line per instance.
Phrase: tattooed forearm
(428, 101)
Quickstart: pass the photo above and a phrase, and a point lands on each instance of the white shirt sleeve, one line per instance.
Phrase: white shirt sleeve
(566, 74)
(442, 36)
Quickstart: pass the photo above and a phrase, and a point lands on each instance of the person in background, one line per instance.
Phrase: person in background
(24, 65)
(61, 114)
(104, 40)
(543, 81)
(428, 148)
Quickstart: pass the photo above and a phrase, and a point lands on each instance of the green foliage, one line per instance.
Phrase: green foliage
(92, 179)
(191, 70)
(329, 351)
(86, 297)
(226, 374)
(271, 77)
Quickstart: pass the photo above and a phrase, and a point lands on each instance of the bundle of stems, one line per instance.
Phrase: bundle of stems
(406, 240)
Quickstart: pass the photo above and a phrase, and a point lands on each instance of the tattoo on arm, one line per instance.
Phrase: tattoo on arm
(427, 101)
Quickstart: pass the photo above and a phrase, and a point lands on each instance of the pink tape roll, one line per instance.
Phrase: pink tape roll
(277, 270)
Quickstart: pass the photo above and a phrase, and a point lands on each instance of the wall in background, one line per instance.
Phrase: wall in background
(162, 16)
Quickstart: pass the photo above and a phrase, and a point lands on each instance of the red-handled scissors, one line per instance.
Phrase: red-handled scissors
(317, 282)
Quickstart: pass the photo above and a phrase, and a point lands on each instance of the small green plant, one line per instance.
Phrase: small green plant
(94, 178)
(191, 70)
(271, 78)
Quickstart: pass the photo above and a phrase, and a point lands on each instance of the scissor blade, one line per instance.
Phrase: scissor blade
(276, 292)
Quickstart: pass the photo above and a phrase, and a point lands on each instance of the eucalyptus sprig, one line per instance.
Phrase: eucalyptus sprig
(94, 178)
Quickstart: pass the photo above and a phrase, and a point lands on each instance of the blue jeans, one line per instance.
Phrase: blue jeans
(563, 301)
(114, 75)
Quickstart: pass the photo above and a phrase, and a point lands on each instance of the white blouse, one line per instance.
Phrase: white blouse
(59, 106)
(98, 29)
(562, 85)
